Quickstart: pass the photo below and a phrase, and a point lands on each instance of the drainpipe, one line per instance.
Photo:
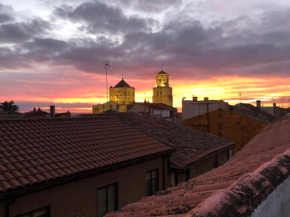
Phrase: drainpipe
(207, 116)
(163, 174)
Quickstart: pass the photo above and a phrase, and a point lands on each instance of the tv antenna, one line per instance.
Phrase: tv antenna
(240, 94)
(282, 103)
(106, 65)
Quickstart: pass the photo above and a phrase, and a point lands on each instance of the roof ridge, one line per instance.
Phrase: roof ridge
(142, 131)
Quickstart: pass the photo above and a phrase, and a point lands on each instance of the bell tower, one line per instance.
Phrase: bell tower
(162, 93)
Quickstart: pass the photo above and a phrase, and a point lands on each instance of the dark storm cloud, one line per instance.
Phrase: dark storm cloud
(22, 31)
(240, 46)
(97, 17)
(5, 13)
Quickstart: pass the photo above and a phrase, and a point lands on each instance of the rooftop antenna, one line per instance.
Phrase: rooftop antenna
(240, 94)
(288, 102)
(282, 104)
(106, 65)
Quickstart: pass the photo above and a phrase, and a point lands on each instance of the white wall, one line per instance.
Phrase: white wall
(161, 113)
(277, 203)
(195, 108)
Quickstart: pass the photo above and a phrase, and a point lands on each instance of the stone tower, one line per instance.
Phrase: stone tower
(122, 93)
(162, 93)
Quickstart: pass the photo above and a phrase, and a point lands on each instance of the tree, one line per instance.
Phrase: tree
(9, 107)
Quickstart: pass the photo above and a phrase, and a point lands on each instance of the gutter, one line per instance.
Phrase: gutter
(63, 180)
(205, 156)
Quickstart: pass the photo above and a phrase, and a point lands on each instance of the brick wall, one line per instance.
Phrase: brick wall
(228, 125)
(79, 198)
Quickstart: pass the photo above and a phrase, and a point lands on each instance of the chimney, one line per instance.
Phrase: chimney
(258, 104)
(52, 111)
(205, 98)
(194, 98)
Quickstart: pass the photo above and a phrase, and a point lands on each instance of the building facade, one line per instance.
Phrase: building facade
(162, 93)
(121, 95)
(195, 107)
(155, 109)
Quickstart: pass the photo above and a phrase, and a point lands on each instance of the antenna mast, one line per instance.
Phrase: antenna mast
(106, 65)
(240, 94)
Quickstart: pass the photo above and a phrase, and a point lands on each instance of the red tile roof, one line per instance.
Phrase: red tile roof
(43, 150)
(234, 189)
(191, 145)
(253, 112)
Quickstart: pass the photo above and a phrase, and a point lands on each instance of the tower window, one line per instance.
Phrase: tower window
(159, 79)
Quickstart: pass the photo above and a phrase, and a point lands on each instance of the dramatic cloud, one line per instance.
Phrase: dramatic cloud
(22, 31)
(98, 18)
(5, 14)
(192, 40)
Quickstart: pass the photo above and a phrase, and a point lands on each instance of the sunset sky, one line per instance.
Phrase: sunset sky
(52, 51)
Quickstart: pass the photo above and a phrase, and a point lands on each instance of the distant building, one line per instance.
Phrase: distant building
(155, 109)
(121, 95)
(255, 183)
(195, 107)
(162, 93)
(241, 124)
(275, 110)
(63, 115)
(36, 113)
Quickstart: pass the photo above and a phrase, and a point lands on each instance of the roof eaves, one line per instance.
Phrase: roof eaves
(194, 160)
(77, 176)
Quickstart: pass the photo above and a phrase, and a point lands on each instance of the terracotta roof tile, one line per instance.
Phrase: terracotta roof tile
(234, 189)
(40, 150)
(191, 145)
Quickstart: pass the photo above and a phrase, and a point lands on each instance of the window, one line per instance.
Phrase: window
(230, 154)
(151, 182)
(215, 162)
(43, 212)
(173, 178)
(187, 174)
(107, 199)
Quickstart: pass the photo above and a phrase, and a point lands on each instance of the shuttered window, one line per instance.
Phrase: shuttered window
(107, 199)
(152, 183)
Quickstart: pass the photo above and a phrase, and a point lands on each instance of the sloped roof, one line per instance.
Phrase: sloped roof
(162, 72)
(43, 150)
(234, 189)
(123, 83)
(253, 112)
(191, 145)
